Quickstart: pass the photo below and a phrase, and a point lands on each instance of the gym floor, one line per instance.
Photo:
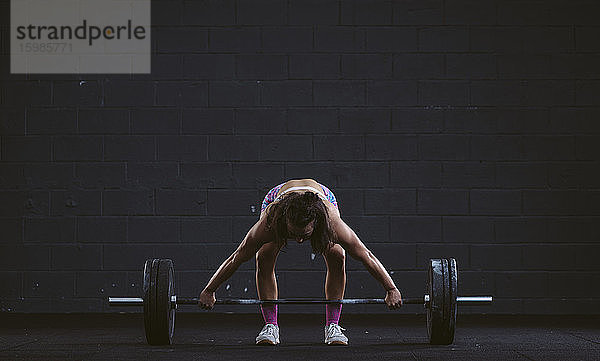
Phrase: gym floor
(217, 336)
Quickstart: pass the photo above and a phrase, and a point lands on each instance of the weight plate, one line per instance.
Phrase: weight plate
(453, 294)
(150, 270)
(145, 287)
(428, 290)
(445, 325)
(435, 289)
(162, 316)
(166, 313)
(146, 277)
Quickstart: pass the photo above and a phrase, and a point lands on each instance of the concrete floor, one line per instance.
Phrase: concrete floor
(212, 336)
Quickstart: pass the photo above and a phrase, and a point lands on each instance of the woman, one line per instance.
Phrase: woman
(300, 210)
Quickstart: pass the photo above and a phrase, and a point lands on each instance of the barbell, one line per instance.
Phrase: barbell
(160, 301)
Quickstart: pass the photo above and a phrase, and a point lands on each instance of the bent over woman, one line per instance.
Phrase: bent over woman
(301, 210)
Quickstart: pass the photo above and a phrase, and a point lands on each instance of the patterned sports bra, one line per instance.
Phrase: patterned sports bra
(299, 188)
(272, 194)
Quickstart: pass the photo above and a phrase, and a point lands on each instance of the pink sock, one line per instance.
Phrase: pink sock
(333, 312)
(269, 313)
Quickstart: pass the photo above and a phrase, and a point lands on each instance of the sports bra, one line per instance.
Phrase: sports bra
(299, 188)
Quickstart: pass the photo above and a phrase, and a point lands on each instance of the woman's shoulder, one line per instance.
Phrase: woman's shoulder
(265, 212)
(261, 229)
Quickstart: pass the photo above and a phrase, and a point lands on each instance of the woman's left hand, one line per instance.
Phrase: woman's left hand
(393, 299)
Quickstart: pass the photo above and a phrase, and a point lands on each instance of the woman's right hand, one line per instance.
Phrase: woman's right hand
(206, 300)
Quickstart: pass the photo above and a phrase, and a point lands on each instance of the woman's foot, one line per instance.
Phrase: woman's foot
(269, 335)
(334, 335)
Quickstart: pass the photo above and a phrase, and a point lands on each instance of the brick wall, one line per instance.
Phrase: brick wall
(446, 128)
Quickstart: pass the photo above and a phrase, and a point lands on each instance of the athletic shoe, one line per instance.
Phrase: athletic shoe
(334, 335)
(269, 335)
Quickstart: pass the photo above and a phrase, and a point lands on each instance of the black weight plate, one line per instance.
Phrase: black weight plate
(162, 315)
(453, 294)
(146, 276)
(435, 289)
(150, 301)
(172, 307)
(145, 287)
(166, 313)
(428, 292)
(445, 325)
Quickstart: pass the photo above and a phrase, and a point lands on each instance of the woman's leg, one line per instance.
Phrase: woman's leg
(266, 283)
(335, 281)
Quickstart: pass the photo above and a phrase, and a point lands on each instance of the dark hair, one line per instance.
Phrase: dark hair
(300, 209)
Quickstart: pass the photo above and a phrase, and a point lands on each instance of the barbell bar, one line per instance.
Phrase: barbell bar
(160, 301)
(137, 301)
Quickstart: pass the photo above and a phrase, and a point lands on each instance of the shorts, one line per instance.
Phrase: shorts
(270, 197)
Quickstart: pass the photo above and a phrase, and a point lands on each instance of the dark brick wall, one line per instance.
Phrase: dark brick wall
(447, 128)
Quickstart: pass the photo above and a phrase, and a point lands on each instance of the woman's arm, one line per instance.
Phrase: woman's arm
(251, 243)
(348, 239)
(230, 265)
